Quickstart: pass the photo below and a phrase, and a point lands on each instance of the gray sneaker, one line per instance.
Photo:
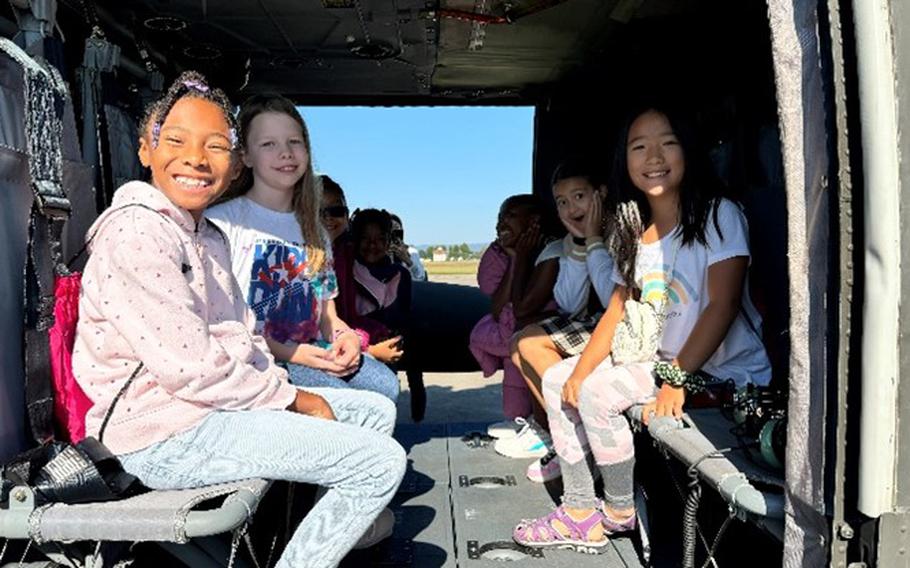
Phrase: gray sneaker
(380, 530)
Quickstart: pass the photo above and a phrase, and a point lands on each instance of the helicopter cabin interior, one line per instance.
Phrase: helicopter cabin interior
(753, 75)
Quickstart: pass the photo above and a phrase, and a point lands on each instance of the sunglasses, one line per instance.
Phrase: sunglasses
(397, 235)
(335, 211)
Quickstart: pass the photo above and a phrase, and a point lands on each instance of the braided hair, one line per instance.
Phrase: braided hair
(306, 201)
(700, 193)
(188, 84)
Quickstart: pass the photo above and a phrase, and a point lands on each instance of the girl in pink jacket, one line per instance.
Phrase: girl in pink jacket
(162, 316)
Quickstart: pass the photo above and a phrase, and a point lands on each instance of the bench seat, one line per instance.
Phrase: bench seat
(752, 491)
(161, 516)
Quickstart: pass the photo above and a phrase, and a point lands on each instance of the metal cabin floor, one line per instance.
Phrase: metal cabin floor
(457, 497)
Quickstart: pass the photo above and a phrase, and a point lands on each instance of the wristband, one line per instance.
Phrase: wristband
(670, 374)
(364, 339)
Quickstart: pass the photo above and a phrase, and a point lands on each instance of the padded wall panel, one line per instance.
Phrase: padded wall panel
(15, 204)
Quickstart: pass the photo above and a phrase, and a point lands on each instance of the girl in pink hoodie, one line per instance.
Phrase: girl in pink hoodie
(162, 317)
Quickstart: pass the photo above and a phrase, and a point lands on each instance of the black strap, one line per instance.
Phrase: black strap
(44, 251)
(117, 397)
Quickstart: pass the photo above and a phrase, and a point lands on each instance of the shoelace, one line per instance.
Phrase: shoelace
(525, 426)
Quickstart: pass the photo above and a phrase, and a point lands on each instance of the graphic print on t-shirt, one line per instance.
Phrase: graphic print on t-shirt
(281, 295)
(654, 286)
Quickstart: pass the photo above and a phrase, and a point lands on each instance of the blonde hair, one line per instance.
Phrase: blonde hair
(306, 201)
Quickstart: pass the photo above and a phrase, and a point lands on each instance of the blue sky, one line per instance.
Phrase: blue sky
(443, 170)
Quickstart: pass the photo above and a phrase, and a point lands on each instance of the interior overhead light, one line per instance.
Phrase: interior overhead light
(373, 50)
(164, 24)
(202, 52)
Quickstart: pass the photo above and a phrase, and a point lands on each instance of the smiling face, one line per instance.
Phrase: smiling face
(276, 150)
(374, 244)
(191, 164)
(573, 198)
(334, 214)
(512, 221)
(654, 155)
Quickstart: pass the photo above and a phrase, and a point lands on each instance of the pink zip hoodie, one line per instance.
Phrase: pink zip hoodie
(158, 288)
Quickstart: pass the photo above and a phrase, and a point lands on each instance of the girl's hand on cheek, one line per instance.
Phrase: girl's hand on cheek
(528, 241)
(401, 253)
(594, 218)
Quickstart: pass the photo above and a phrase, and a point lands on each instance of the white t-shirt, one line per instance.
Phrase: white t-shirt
(268, 258)
(552, 250)
(418, 272)
(741, 356)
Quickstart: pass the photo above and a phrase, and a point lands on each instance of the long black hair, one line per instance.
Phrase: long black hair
(699, 193)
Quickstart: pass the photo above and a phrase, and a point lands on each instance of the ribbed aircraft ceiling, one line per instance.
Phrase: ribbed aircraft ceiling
(312, 49)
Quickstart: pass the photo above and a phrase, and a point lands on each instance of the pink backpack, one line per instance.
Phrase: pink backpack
(70, 402)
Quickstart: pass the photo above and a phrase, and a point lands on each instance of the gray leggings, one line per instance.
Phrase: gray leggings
(596, 433)
(355, 459)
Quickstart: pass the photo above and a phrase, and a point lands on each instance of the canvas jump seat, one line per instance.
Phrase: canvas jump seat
(703, 443)
(41, 176)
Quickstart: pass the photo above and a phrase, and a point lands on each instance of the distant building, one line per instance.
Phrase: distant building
(440, 255)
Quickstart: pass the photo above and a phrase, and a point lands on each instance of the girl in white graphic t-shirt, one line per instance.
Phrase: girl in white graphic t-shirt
(678, 242)
(281, 255)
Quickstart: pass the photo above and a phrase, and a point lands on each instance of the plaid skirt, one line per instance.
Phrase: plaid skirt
(570, 335)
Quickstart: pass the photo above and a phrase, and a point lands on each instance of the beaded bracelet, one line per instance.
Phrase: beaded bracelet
(670, 374)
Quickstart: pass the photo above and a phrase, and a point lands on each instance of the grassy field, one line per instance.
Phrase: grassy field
(451, 268)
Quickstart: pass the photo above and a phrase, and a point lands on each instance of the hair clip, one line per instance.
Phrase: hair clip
(198, 85)
(234, 141)
(156, 133)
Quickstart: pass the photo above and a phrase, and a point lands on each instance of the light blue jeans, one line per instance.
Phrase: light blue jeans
(354, 459)
(372, 376)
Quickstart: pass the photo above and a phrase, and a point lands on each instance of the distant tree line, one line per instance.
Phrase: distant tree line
(454, 252)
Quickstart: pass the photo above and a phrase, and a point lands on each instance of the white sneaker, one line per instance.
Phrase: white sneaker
(380, 530)
(531, 442)
(506, 429)
(545, 469)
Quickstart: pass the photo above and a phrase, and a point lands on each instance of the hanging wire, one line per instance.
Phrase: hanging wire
(363, 24)
(691, 527)
(97, 555)
(235, 543)
(25, 553)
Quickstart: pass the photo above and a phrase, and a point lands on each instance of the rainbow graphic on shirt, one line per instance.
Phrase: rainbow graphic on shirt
(654, 287)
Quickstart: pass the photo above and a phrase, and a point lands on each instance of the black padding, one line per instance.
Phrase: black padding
(442, 317)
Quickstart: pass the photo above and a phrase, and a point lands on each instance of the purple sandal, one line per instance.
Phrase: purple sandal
(540, 533)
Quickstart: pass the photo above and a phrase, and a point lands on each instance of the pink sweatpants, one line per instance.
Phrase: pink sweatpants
(490, 342)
